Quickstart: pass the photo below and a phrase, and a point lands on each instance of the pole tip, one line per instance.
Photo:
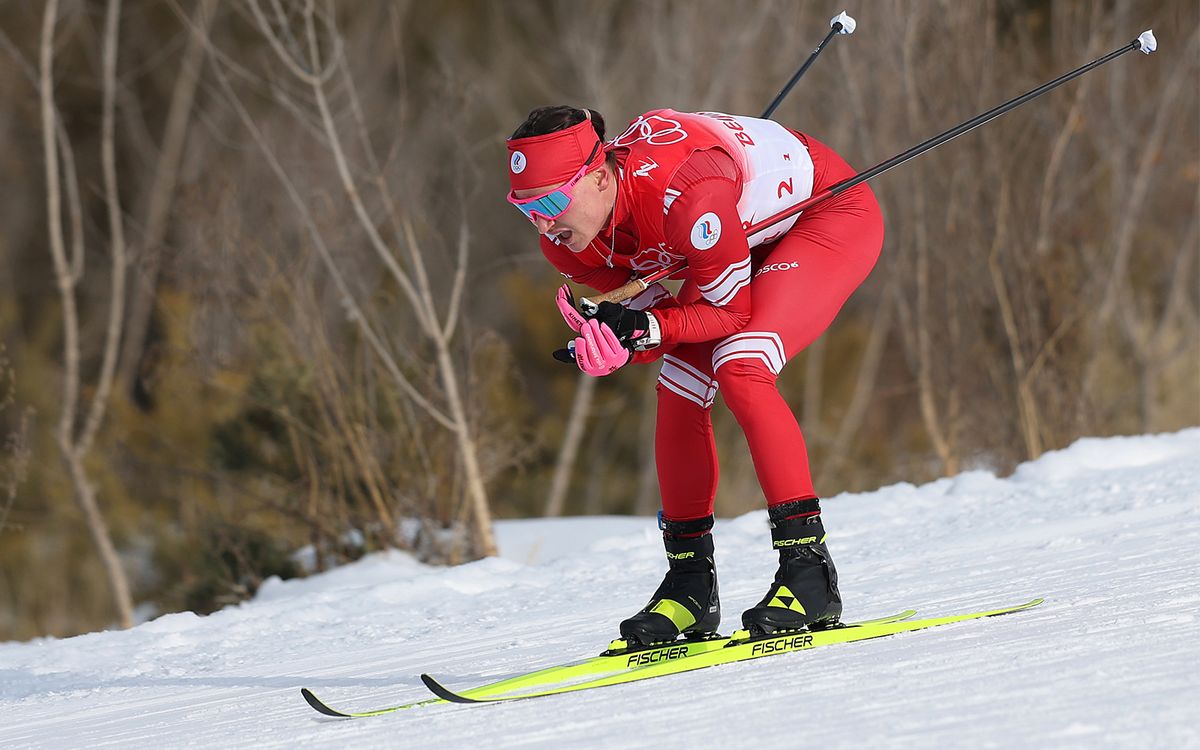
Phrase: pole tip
(845, 20)
(1146, 41)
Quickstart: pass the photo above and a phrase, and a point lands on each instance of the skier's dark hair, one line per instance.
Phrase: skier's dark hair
(557, 117)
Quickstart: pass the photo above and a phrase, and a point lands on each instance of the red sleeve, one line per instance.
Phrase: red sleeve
(703, 225)
(600, 278)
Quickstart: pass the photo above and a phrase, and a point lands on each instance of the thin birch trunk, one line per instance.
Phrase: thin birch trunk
(864, 388)
(581, 405)
(162, 190)
(927, 398)
(75, 448)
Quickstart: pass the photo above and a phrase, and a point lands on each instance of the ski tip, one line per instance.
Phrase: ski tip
(1018, 608)
(443, 692)
(898, 617)
(320, 707)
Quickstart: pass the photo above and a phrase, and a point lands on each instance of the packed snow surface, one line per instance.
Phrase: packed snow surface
(1107, 530)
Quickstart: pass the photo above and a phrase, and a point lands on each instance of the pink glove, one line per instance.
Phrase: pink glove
(598, 352)
(566, 305)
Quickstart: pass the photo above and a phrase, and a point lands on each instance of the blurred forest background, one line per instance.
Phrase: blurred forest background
(263, 308)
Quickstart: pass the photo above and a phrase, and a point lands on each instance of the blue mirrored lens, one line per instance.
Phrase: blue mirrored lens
(551, 205)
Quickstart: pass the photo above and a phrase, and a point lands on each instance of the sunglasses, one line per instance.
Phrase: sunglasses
(551, 205)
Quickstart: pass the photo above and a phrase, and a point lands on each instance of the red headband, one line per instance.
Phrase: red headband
(549, 159)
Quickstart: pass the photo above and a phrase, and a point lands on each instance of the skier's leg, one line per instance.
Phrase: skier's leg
(687, 601)
(684, 449)
(797, 292)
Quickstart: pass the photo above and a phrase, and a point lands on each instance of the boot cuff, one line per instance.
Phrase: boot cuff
(688, 548)
(683, 529)
(794, 509)
(797, 532)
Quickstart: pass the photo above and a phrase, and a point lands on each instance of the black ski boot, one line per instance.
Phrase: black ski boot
(686, 602)
(805, 592)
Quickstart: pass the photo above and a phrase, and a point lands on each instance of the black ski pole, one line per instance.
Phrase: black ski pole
(842, 23)
(1145, 43)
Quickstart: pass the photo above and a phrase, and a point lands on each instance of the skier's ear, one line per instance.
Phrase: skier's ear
(604, 177)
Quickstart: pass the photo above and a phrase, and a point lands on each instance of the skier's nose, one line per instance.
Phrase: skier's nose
(543, 225)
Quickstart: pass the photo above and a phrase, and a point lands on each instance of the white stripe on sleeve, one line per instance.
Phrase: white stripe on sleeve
(725, 287)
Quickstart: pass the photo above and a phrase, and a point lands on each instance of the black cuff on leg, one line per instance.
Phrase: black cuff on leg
(688, 540)
(684, 529)
(796, 523)
(794, 509)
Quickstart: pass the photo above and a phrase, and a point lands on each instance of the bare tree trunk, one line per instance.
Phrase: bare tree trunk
(485, 540)
(927, 397)
(585, 387)
(1050, 188)
(74, 448)
(1153, 339)
(162, 189)
(1026, 402)
(647, 500)
(85, 498)
(14, 447)
(864, 388)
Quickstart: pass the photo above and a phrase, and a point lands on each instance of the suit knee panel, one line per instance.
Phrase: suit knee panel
(687, 381)
(763, 348)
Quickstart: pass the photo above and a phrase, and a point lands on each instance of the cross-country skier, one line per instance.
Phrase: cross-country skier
(679, 185)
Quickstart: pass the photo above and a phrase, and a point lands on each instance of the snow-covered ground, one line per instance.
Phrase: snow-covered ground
(1107, 530)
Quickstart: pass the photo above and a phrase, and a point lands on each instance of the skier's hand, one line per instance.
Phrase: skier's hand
(565, 301)
(598, 351)
(635, 329)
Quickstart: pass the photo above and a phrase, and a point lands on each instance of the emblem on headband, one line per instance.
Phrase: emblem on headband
(518, 162)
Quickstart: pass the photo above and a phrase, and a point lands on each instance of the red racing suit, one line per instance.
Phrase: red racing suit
(689, 184)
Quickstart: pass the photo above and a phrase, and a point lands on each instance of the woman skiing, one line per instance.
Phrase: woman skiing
(685, 186)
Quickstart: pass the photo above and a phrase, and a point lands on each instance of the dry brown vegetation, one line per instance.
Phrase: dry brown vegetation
(260, 289)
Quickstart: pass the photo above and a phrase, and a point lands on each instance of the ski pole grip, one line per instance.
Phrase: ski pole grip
(843, 23)
(1146, 43)
(628, 290)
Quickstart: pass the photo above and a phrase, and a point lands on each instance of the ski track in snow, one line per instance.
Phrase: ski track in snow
(1107, 530)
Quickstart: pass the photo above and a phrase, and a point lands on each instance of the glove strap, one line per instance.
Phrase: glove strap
(652, 337)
